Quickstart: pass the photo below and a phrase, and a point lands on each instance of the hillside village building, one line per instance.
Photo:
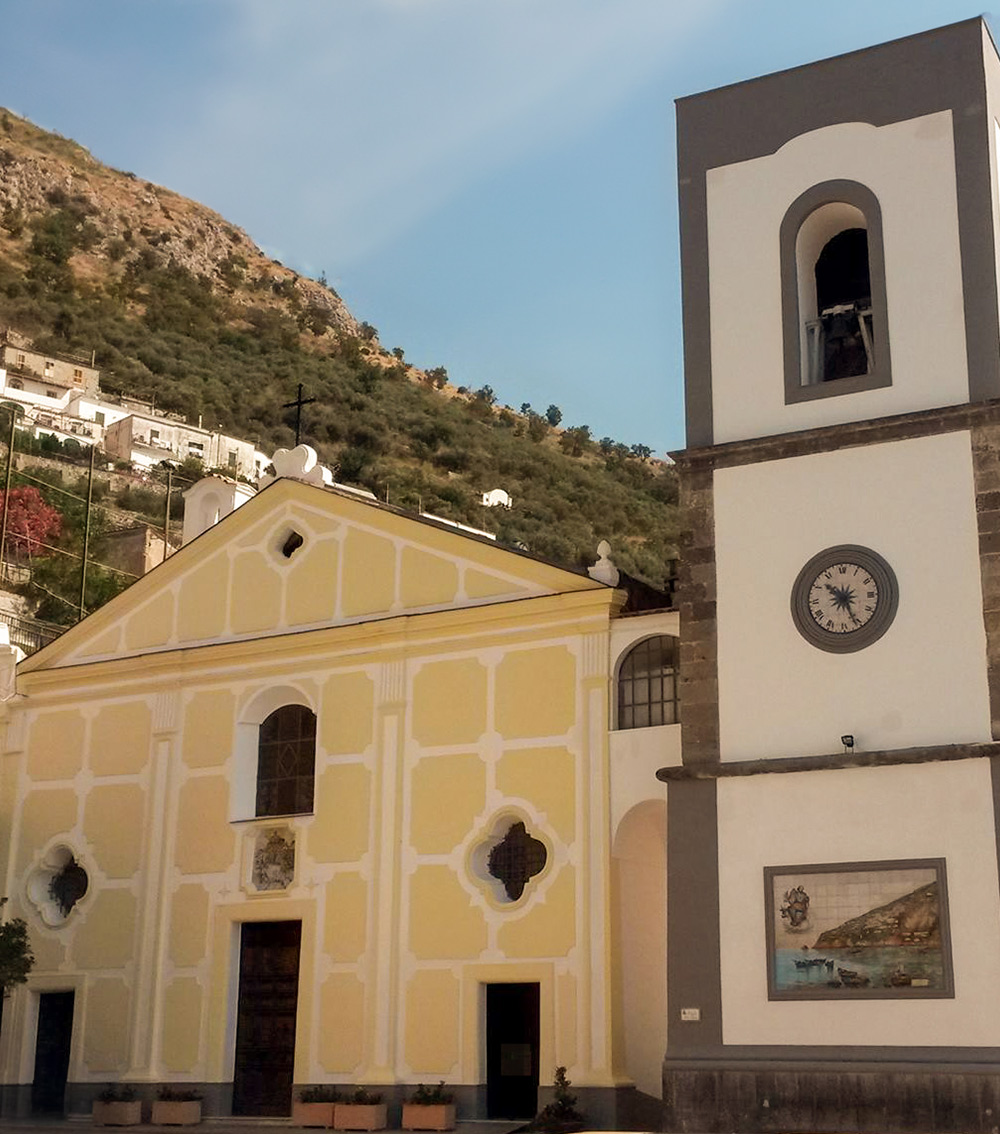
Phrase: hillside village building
(60, 396)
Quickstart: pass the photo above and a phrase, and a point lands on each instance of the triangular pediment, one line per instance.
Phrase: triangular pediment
(298, 557)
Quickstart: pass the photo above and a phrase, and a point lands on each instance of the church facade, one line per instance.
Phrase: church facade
(330, 797)
(833, 901)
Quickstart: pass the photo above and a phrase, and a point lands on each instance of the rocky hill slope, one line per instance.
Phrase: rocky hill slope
(180, 307)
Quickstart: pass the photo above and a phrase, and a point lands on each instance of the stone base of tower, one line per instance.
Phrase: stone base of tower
(784, 1095)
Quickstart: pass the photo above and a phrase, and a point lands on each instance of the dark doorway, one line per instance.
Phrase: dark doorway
(55, 1031)
(512, 1050)
(265, 1020)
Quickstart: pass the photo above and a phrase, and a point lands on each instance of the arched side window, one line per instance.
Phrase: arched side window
(286, 761)
(836, 333)
(647, 683)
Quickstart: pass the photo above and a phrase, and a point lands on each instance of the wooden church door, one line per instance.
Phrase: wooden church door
(512, 1031)
(265, 1020)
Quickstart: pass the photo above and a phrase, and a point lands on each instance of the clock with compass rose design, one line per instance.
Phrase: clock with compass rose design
(844, 598)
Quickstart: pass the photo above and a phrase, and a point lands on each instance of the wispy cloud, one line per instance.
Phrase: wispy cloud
(372, 114)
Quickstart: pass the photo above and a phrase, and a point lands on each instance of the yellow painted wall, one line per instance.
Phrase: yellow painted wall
(201, 609)
(549, 928)
(188, 924)
(103, 939)
(45, 814)
(346, 717)
(208, 728)
(444, 924)
(449, 702)
(342, 796)
(181, 1024)
(426, 579)
(546, 777)
(205, 841)
(341, 1023)
(432, 1019)
(105, 1038)
(55, 745)
(369, 574)
(448, 792)
(311, 590)
(346, 915)
(114, 823)
(120, 738)
(152, 624)
(536, 693)
(256, 603)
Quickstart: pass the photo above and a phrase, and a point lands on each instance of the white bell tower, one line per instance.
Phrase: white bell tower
(839, 594)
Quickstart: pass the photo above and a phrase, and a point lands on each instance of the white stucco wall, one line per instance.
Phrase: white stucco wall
(924, 682)
(910, 167)
(861, 815)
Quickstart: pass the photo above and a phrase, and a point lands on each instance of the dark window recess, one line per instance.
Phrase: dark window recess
(647, 684)
(286, 759)
(68, 886)
(516, 859)
(291, 544)
(841, 343)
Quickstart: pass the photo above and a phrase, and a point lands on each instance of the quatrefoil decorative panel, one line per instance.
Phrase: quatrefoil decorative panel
(515, 859)
(56, 884)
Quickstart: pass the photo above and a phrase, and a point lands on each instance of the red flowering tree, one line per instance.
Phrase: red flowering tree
(30, 522)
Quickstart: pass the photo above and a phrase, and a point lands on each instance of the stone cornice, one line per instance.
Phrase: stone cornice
(899, 427)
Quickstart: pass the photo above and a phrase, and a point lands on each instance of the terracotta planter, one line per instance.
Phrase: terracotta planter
(117, 1113)
(176, 1112)
(428, 1116)
(359, 1116)
(312, 1113)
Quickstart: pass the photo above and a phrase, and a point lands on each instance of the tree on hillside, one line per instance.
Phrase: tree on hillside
(30, 522)
(553, 415)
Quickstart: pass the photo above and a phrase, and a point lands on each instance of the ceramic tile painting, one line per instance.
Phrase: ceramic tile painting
(858, 930)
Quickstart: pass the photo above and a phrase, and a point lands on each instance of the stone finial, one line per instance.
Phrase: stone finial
(299, 463)
(604, 571)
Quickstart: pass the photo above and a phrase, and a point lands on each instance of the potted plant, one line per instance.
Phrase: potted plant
(364, 1110)
(176, 1106)
(117, 1106)
(429, 1108)
(314, 1106)
(561, 1115)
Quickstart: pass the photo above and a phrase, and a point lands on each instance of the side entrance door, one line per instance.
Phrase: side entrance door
(55, 1031)
(512, 1028)
(265, 1020)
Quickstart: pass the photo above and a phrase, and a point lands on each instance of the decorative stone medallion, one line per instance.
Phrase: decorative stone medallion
(273, 866)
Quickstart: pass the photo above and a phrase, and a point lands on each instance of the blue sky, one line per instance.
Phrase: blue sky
(489, 182)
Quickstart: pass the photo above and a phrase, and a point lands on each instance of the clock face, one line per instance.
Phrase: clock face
(844, 598)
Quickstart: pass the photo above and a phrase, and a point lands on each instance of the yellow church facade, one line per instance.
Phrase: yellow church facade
(331, 798)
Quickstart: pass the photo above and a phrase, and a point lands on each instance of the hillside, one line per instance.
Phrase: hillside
(182, 308)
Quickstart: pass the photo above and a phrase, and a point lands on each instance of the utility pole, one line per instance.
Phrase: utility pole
(86, 533)
(6, 489)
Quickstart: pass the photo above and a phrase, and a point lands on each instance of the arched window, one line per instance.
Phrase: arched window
(836, 338)
(647, 683)
(286, 761)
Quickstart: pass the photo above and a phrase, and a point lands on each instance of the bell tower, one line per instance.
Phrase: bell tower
(839, 596)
